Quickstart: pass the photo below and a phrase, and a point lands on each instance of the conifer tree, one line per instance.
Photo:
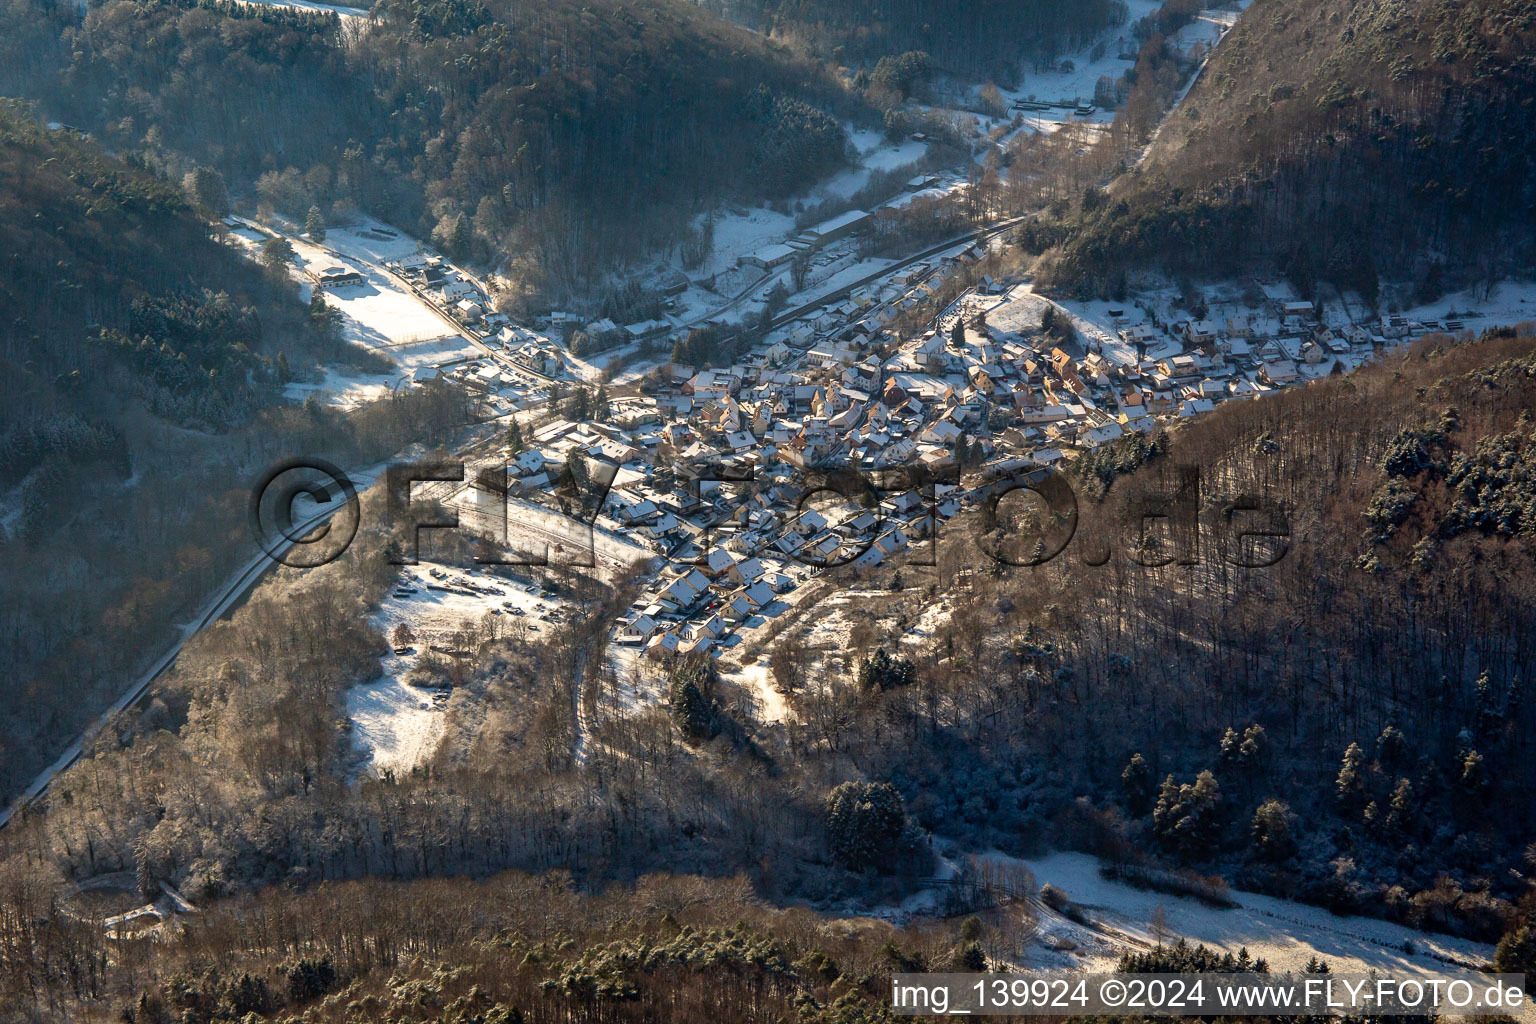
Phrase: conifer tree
(1350, 782)
(1392, 748)
(864, 820)
(1136, 782)
(314, 224)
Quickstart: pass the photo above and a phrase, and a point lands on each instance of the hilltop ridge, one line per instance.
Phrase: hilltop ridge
(1339, 142)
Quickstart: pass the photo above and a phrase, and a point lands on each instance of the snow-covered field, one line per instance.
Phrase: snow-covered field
(380, 315)
(346, 390)
(397, 726)
(757, 680)
(371, 240)
(344, 12)
(740, 231)
(1075, 79)
(876, 153)
(928, 624)
(1284, 933)
(1126, 919)
(1507, 303)
(1021, 310)
(1076, 84)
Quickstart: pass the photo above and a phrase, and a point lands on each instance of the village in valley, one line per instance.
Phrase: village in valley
(1006, 380)
(705, 480)
(691, 451)
(684, 509)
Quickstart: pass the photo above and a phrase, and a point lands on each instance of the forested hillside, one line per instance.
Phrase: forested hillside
(116, 296)
(512, 949)
(1338, 141)
(977, 39)
(1341, 723)
(579, 134)
(1307, 670)
(140, 361)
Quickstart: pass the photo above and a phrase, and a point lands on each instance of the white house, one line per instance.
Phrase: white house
(1104, 433)
(638, 630)
(663, 644)
(529, 462)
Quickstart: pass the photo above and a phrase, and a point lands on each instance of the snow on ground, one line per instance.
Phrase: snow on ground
(642, 682)
(1100, 322)
(1075, 79)
(757, 679)
(1022, 308)
(345, 13)
(1284, 933)
(624, 362)
(742, 231)
(829, 628)
(372, 240)
(1097, 323)
(441, 606)
(350, 389)
(876, 153)
(927, 624)
(739, 231)
(1508, 303)
(1076, 84)
(747, 630)
(397, 726)
(1206, 30)
(604, 543)
(842, 278)
(1019, 311)
(591, 368)
(345, 390)
(380, 315)
(625, 661)
(634, 371)
(538, 530)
